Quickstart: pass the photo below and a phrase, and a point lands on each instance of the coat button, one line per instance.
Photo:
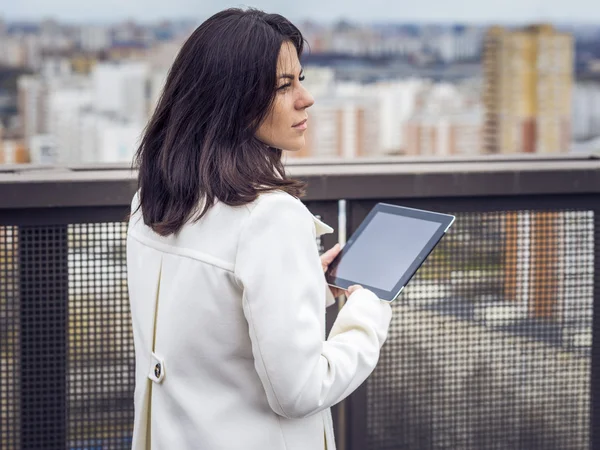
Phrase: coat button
(157, 370)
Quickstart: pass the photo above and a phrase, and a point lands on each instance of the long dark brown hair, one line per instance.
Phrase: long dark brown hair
(200, 142)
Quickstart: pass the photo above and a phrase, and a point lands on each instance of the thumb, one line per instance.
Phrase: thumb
(354, 287)
(330, 254)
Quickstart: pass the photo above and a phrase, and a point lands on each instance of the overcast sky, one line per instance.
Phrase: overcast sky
(321, 10)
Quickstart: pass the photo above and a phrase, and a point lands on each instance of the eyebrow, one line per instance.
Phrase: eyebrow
(291, 77)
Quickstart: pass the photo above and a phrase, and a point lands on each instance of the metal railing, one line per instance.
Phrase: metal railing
(493, 345)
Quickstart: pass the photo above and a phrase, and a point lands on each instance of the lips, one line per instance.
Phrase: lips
(300, 123)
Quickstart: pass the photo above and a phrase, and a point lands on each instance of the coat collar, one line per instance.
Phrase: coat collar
(321, 227)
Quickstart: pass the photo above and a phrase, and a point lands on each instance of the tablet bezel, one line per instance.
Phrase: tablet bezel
(445, 221)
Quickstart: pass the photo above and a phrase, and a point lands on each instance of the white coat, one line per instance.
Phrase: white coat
(229, 331)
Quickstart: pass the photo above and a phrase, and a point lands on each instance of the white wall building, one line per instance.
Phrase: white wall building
(21, 51)
(319, 81)
(445, 134)
(118, 140)
(585, 120)
(158, 77)
(121, 88)
(32, 101)
(105, 137)
(342, 127)
(56, 68)
(452, 46)
(43, 149)
(446, 122)
(65, 113)
(12, 52)
(415, 117)
(396, 103)
(93, 38)
(70, 119)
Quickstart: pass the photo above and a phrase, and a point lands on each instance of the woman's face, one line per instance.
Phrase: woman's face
(286, 123)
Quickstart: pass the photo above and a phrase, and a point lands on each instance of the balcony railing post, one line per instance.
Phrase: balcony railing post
(595, 351)
(43, 287)
(356, 404)
(328, 212)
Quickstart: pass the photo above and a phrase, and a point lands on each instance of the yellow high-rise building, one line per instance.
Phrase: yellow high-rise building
(528, 77)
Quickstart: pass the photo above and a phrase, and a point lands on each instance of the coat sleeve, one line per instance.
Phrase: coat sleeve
(280, 273)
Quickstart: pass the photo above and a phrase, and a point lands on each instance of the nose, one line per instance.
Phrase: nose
(305, 99)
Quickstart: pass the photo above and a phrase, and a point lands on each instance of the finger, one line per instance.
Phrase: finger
(330, 254)
(354, 288)
(336, 292)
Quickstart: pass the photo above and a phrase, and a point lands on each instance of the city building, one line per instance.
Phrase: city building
(70, 118)
(32, 105)
(446, 122)
(341, 127)
(12, 51)
(455, 46)
(94, 38)
(444, 135)
(527, 90)
(586, 111)
(527, 95)
(352, 119)
(65, 108)
(121, 89)
(12, 149)
(83, 63)
(43, 149)
(396, 103)
(56, 66)
(412, 116)
(117, 140)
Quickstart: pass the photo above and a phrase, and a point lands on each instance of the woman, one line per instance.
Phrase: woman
(226, 284)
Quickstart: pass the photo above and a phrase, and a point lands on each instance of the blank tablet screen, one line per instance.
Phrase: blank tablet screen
(381, 237)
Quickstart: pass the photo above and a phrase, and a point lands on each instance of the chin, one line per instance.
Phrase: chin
(294, 146)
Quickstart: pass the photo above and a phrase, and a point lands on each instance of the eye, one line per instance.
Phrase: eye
(284, 87)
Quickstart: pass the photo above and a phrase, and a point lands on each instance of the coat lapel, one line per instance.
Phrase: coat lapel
(321, 227)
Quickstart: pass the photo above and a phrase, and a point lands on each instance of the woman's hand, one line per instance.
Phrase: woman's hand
(329, 256)
(326, 259)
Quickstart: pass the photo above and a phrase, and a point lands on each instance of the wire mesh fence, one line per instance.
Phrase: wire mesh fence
(66, 378)
(490, 345)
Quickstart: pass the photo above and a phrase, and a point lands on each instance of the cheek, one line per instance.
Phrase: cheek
(279, 118)
(266, 129)
(277, 125)
(278, 112)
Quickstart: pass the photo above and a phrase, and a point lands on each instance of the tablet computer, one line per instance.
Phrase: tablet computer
(386, 250)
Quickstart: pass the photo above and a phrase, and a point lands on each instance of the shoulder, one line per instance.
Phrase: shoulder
(281, 209)
(276, 199)
(135, 201)
(134, 210)
(277, 209)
